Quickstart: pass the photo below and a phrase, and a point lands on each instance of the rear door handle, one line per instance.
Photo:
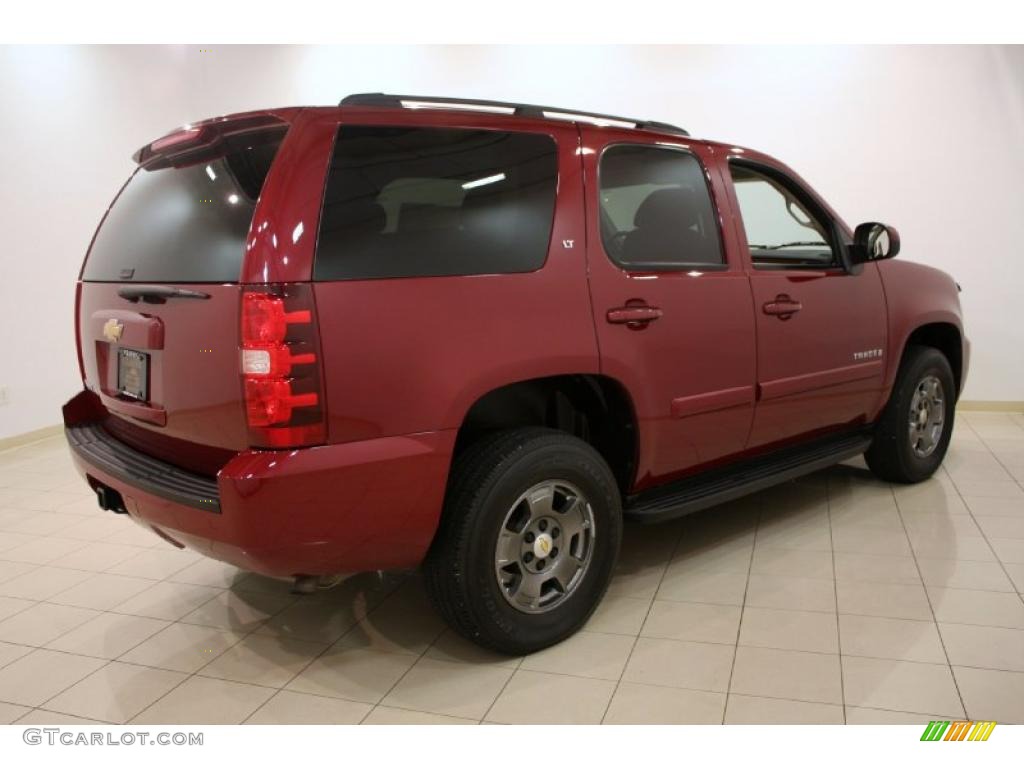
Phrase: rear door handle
(783, 307)
(634, 316)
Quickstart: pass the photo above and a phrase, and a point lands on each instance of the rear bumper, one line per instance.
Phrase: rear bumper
(101, 450)
(361, 506)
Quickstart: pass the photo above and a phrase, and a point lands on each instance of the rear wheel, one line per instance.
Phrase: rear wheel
(529, 536)
(914, 430)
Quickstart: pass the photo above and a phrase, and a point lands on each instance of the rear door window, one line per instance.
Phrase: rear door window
(185, 224)
(423, 202)
(656, 211)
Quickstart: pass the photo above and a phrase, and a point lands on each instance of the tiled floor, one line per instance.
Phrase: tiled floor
(833, 599)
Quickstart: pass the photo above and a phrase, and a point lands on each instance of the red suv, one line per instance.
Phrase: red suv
(477, 336)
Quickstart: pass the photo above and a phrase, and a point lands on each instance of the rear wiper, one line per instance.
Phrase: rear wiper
(158, 294)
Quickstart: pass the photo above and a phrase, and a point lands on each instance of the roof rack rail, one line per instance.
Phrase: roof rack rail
(505, 108)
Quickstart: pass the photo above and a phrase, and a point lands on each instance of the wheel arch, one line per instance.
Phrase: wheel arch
(945, 337)
(596, 408)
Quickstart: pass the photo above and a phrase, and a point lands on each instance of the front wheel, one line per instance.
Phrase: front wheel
(914, 430)
(528, 539)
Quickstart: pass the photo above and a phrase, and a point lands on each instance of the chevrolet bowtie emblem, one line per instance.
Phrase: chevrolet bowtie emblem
(112, 329)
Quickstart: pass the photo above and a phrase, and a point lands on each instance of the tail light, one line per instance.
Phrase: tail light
(280, 365)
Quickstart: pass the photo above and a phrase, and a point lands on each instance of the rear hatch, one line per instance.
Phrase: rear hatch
(159, 294)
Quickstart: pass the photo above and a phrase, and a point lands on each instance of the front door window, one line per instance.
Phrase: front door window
(781, 232)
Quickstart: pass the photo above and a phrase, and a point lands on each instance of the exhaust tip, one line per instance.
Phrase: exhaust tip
(307, 585)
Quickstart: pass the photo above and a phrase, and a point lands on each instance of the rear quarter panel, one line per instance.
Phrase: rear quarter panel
(409, 355)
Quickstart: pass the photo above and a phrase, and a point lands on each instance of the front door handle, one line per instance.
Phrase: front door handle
(634, 316)
(783, 307)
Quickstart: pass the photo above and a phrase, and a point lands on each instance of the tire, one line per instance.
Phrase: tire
(485, 508)
(901, 452)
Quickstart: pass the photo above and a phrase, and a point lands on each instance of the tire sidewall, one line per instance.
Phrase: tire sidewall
(565, 461)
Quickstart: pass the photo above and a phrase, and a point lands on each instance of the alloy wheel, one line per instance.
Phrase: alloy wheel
(927, 416)
(544, 546)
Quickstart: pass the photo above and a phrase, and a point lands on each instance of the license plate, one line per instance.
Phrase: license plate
(133, 374)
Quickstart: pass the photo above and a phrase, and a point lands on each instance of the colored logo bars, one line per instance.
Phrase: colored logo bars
(959, 730)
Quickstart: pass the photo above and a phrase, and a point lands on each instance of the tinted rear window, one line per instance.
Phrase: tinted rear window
(185, 224)
(419, 202)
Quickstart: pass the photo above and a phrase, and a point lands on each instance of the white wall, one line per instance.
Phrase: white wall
(927, 138)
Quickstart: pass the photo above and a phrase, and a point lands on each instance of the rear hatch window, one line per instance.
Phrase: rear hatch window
(185, 222)
(424, 202)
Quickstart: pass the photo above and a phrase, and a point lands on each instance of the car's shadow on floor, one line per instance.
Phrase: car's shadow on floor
(835, 535)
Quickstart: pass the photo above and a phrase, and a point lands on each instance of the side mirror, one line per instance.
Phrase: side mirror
(873, 241)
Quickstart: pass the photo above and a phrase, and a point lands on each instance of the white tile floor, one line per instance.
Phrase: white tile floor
(833, 599)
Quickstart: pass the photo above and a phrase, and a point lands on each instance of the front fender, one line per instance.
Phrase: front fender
(916, 296)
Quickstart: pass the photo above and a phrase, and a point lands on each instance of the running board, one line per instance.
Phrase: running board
(692, 494)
